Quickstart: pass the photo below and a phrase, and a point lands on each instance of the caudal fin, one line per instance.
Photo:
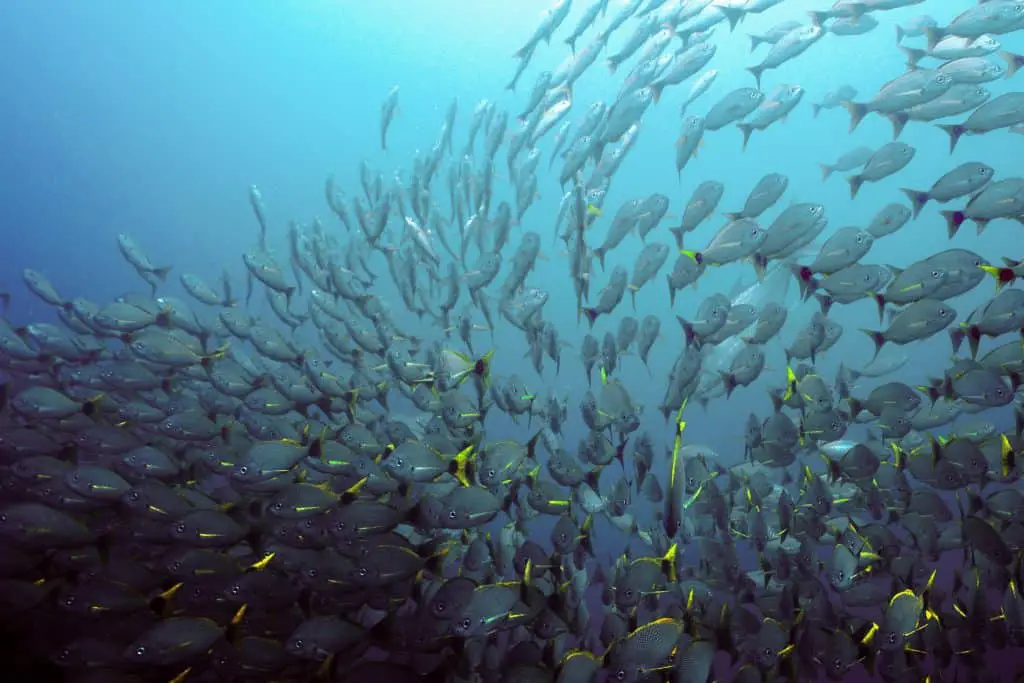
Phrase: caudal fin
(747, 129)
(899, 121)
(757, 71)
(733, 13)
(917, 199)
(857, 112)
(955, 131)
(934, 35)
(855, 182)
(954, 219)
(656, 90)
(914, 55)
(1013, 62)
(879, 339)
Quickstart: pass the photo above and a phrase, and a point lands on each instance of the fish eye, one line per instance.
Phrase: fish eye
(452, 514)
(235, 590)
(620, 675)
(936, 274)
(837, 664)
(69, 600)
(767, 652)
(891, 638)
(181, 527)
(465, 624)
(440, 606)
(243, 470)
(140, 651)
(298, 644)
(363, 571)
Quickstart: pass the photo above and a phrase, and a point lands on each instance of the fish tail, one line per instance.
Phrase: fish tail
(955, 131)
(956, 337)
(729, 382)
(855, 181)
(899, 121)
(917, 199)
(656, 90)
(668, 562)
(1007, 456)
(880, 303)
(790, 384)
(459, 466)
(877, 337)
(934, 34)
(1013, 62)
(805, 278)
(913, 56)
(747, 129)
(857, 112)
(678, 233)
(825, 301)
(756, 71)
(826, 171)
(734, 13)
(688, 330)
(954, 219)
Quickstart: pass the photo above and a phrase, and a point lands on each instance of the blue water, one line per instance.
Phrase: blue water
(154, 118)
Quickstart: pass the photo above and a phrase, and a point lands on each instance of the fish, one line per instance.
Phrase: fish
(333, 477)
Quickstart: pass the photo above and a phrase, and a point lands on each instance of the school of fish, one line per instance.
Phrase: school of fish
(191, 492)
